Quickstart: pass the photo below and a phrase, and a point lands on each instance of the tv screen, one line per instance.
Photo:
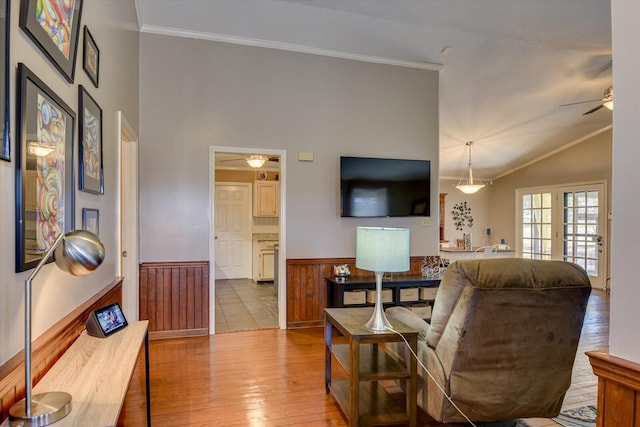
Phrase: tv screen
(371, 187)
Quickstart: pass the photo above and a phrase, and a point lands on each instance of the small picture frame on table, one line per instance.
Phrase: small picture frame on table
(91, 220)
(91, 174)
(91, 57)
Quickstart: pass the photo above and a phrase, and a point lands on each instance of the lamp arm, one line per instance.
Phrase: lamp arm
(27, 325)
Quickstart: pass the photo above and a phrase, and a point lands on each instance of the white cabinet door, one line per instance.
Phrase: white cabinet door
(266, 196)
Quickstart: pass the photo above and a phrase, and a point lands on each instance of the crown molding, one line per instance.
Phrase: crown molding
(288, 47)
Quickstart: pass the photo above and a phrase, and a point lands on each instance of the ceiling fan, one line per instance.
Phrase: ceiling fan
(606, 101)
(254, 160)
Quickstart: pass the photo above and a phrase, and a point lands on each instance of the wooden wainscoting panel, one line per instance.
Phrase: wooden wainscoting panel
(174, 298)
(618, 389)
(307, 290)
(50, 346)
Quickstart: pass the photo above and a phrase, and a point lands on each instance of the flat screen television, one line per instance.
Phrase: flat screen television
(375, 187)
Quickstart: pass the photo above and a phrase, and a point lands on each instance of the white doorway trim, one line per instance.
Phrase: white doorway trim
(127, 215)
(282, 279)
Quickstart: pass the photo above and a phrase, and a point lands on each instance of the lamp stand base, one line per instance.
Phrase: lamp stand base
(46, 408)
(378, 321)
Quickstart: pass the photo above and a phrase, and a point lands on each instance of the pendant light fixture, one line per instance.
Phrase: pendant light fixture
(256, 160)
(469, 187)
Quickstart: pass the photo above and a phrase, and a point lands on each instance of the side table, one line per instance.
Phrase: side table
(361, 397)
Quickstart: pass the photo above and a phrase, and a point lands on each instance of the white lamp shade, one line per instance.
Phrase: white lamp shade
(469, 188)
(382, 249)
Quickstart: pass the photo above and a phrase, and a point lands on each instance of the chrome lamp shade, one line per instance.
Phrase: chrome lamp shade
(78, 253)
(381, 250)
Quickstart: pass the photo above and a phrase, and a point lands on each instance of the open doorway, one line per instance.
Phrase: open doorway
(247, 220)
(127, 259)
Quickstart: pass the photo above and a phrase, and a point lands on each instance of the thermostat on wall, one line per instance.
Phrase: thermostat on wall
(106, 321)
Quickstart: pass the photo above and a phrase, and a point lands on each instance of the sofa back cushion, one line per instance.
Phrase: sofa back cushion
(499, 273)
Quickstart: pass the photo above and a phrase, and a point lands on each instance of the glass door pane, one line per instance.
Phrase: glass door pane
(536, 225)
(583, 229)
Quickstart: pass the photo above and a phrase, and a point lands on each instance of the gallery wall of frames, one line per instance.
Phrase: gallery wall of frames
(45, 127)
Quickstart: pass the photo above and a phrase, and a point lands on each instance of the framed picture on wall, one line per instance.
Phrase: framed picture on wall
(44, 169)
(91, 220)
(91, 57)
(91, 173)
(5, 148)
(54, 25)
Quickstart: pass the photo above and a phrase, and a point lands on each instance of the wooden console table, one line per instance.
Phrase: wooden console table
(362, 398)
(96, 373)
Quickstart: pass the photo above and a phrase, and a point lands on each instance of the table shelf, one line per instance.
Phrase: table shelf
(377, 407)
(375, 364)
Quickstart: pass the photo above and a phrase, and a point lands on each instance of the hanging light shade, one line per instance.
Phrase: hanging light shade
(256, 160)
(469, 187)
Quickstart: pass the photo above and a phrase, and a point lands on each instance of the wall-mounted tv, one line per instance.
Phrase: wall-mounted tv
(375, 187)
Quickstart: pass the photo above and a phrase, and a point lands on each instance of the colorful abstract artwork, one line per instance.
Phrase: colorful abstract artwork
(45, 207)
(91, 170)
(51, 129)
(54, 26)
(91, 145)
(56, 18)
(91, 61)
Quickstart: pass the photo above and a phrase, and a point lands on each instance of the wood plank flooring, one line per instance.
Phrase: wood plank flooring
(275, 377)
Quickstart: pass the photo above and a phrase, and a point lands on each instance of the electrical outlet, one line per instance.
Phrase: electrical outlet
(426, 222)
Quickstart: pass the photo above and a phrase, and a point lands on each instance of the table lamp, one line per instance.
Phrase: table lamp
(78, 253)
(381, 250)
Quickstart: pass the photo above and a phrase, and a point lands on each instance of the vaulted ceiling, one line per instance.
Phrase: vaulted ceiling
(509, 66)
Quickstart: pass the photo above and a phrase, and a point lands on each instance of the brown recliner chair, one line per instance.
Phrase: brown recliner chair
(502, 339)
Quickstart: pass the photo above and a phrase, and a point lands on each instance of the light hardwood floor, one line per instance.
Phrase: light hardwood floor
(275, 377)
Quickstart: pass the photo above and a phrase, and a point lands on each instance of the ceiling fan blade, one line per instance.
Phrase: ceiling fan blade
(593, 110)
(582, 102)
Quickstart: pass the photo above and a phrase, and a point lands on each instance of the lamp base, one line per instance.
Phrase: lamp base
(46, 408)
(378, 321)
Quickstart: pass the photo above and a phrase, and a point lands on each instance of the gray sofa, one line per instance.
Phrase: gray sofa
(502, 339)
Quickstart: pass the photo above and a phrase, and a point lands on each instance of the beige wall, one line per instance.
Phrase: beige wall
(55, 294)
(479, 205)
(584, 162)
(216, 94)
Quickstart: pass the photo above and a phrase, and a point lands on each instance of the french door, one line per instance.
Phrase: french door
(565, 223)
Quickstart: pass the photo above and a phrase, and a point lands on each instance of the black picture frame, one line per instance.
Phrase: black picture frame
(5, 15)
(91, 220)
(60, 47)
(91, 172)
(45, 199)
(91, 57)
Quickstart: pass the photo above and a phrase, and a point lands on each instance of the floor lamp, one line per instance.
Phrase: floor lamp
(381, 250)
(78, 253)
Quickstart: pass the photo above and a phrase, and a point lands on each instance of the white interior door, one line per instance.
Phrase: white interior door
(128, 256)
(232, 230)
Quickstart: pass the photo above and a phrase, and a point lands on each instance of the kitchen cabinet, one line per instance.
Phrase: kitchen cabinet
(266, 258)
(266, 198)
